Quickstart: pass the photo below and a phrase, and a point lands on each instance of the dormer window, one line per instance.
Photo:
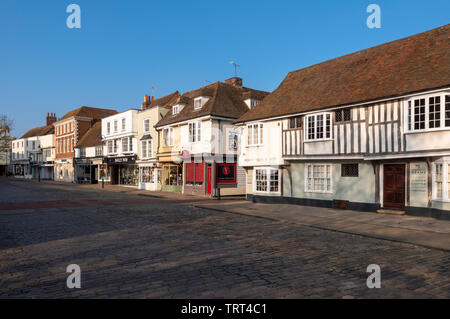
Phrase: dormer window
(176, 109)
(198, 103)
(253, 103)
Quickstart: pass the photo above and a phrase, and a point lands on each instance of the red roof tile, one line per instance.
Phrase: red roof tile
(413, 64)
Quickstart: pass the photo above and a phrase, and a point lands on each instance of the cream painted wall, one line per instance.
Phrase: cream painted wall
(268, 154)
(356, 189)
(154, 115)
(428, 141)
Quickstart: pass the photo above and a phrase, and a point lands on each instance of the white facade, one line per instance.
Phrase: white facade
(412, 131)
(119, 134)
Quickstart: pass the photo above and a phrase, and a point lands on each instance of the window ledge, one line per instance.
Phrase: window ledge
(319, 192)
(321, 140)
(267, 193)
(427, 130)
(441, 200)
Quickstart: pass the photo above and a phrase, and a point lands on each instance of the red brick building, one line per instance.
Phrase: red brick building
(68, 131)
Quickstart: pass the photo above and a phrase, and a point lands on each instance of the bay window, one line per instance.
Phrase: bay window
(168, 137)
(127, 144)
(267, 180)
(195, 129)
(318, 178)
(255, 134)
(318, 127)
(428, 113)
(441, 180)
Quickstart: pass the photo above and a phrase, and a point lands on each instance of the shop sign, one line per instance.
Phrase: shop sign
(419, 177)
(225, 173)
(121, 160)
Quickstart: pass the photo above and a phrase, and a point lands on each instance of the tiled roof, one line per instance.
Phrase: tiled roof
(165, 101)
(92, 112)
(225, 100)
(92, 137)
(39, 131)
(413, 64)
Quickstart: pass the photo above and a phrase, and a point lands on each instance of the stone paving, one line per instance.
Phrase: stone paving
(165, 247)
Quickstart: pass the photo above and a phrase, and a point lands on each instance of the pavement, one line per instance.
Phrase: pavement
(135, 244)
(420, 231)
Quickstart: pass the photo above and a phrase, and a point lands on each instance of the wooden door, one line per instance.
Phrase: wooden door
(208, 181)
(394, 186)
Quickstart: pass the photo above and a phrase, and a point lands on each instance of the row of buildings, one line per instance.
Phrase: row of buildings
(365, 131)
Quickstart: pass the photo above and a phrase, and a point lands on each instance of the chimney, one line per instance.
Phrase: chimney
(51, 118)
(235, 81)
(146, 103)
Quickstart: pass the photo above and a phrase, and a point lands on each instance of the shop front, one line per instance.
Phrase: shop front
(64, 170)
(172, 177)
(22, 169)
(149, 176)
(87, 171)
(47, 169)
(123, 170)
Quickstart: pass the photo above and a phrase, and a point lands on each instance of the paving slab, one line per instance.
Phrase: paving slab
(422, 231)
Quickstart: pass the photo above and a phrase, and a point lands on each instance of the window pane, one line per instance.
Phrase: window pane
(311, 127)
(319, 126)
(419, 114)
(438, 180)
(328, 126)
(447, 110)
(274, 180)
(448, 181)
(338, 116)
(434, 112)
(409, 115)
(347, 115)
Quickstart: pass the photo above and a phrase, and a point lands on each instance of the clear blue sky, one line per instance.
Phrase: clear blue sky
(125, 47)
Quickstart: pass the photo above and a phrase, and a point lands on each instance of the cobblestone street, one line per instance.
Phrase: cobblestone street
(162, 246)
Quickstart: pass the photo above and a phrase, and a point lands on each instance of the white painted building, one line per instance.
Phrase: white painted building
(199, 141)
(119, 137)
(332, 136)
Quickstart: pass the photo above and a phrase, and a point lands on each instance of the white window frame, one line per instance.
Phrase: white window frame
(230, 141)
(255, 127)
(110, 147)
(108, 128)
(124, 124)
(253, 103)
(409, 113)
(146, 130)
(306, 177)
(268, 180)
(176, 109)
(167, 137)
(116, 126)
(195, 131)
(144, 153)
(445, 180)
(327, 116)
(198, 103)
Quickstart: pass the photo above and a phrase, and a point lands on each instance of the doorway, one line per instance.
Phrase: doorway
(208, 181)
(394, 186)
